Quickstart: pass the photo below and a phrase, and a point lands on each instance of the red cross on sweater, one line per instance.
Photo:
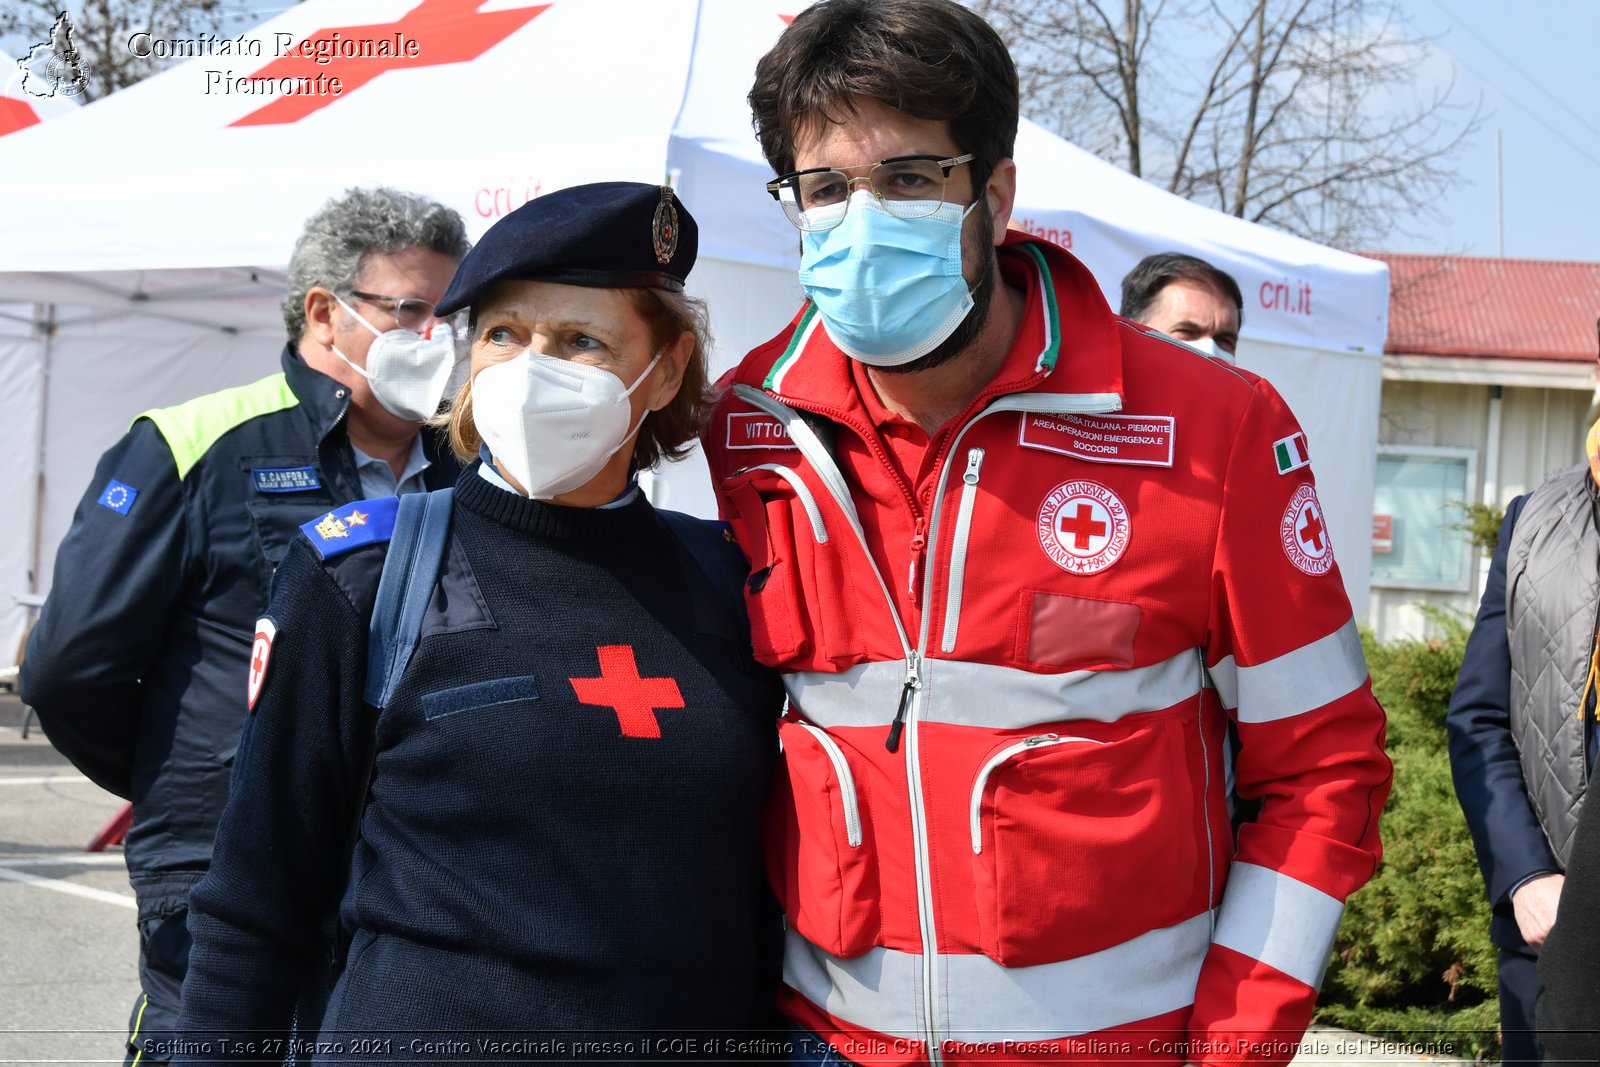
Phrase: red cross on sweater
(634, 698)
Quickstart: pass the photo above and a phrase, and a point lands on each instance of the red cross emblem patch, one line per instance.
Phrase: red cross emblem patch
(1083, 527)
(620, 688)
(260, 653)
(1304, 533)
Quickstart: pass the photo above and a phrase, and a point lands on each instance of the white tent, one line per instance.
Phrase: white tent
(152, 228)
(23, 103)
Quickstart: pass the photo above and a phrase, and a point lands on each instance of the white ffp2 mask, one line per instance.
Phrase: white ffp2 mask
(552, 424)
(407, 371)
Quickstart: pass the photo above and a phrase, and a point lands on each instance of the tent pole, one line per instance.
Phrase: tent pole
(44, 324)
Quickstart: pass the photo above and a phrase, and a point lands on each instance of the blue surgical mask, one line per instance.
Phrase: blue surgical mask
(889, 290)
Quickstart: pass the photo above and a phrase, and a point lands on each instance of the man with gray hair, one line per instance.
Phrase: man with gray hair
(149, 649)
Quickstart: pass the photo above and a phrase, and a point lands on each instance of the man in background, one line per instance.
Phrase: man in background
(140, 665)
(1522, 723)
(1185, 298)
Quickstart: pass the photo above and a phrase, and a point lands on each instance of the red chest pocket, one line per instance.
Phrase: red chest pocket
(803, 612)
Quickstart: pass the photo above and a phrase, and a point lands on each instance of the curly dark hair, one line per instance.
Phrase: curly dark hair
(932, 59)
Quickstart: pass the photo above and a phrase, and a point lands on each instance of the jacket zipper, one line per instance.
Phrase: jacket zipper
(1027, 743)
(847, 782)
(906, 715)
(819, 530)
(919, 541)
(919, 816)
(958, 549)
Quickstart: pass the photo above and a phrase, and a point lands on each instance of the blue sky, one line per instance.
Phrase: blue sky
(1532, 61)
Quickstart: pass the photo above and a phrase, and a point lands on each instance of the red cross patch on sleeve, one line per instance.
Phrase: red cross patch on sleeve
(1304, 533)
(260, 653)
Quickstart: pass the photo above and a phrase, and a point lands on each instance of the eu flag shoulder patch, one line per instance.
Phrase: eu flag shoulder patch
(118, 497)
(366, 522)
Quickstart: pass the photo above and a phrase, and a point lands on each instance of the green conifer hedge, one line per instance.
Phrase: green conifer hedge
(1413, 960)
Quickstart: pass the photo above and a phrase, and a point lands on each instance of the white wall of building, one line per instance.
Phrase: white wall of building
(1541, 429)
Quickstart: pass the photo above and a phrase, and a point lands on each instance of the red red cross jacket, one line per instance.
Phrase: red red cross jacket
(1002, 829)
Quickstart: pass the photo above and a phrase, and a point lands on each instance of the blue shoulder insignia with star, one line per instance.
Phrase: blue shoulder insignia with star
(366, 522)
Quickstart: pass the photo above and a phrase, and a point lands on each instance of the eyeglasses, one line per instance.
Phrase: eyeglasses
(908, 187)
(410, 312)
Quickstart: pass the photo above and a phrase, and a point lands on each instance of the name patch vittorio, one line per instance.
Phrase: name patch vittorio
(755, 429)
(1143, 440)
(285, 479)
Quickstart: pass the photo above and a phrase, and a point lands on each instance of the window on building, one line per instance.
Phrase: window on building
(1415, 509)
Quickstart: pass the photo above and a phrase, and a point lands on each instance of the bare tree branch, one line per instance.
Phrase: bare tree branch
(1301, 114)
(102, 29)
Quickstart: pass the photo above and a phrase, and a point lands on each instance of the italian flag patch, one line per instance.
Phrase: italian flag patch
(1290, 453)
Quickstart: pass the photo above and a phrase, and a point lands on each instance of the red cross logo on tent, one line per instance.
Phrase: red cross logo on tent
(1083, 527)
(1304, 533)
(441, 31)
(15, 115)
(634, 698)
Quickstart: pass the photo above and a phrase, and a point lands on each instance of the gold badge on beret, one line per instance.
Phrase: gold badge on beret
(664, 227)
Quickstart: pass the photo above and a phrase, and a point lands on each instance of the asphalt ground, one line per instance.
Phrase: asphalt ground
(68, 946)
(69, 949)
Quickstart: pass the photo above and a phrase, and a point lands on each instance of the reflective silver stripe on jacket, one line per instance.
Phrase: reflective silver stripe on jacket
(1150, 975)
(982, 694)
(1296, 682)
(1279, 920)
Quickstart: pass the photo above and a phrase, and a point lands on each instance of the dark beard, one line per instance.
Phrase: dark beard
(970, 327)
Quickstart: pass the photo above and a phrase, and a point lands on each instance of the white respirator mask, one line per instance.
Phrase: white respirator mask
(1208, 346)
(408, 371)
(552, 424)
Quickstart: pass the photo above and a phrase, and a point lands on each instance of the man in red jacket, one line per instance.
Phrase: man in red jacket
(1022, 563)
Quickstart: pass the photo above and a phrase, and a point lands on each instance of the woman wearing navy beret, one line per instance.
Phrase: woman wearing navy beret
(514, 740)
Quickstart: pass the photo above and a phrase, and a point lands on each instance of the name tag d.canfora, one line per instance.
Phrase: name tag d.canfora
(285, 479)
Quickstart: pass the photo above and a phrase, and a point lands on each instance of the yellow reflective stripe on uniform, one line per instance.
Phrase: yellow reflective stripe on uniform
(1150, 975)
(1001, 698)
(133, 1038)
(1305, 679)
(1281, 921)
(193, 427)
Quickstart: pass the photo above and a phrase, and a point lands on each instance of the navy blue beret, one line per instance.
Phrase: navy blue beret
(609, 235)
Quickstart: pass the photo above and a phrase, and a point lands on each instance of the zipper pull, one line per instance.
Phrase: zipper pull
(974, 461)
(919, 541)
(1039, 739)
(913, 681)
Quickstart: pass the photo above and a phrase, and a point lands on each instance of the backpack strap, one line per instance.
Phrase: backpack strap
(410, 572)
(712, 546)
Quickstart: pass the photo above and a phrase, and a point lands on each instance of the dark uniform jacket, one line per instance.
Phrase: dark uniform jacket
(137, 666)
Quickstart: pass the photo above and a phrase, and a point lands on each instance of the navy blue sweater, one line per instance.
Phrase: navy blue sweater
(561, 841)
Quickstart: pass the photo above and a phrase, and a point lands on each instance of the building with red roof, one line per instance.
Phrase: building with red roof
(1489, 383)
